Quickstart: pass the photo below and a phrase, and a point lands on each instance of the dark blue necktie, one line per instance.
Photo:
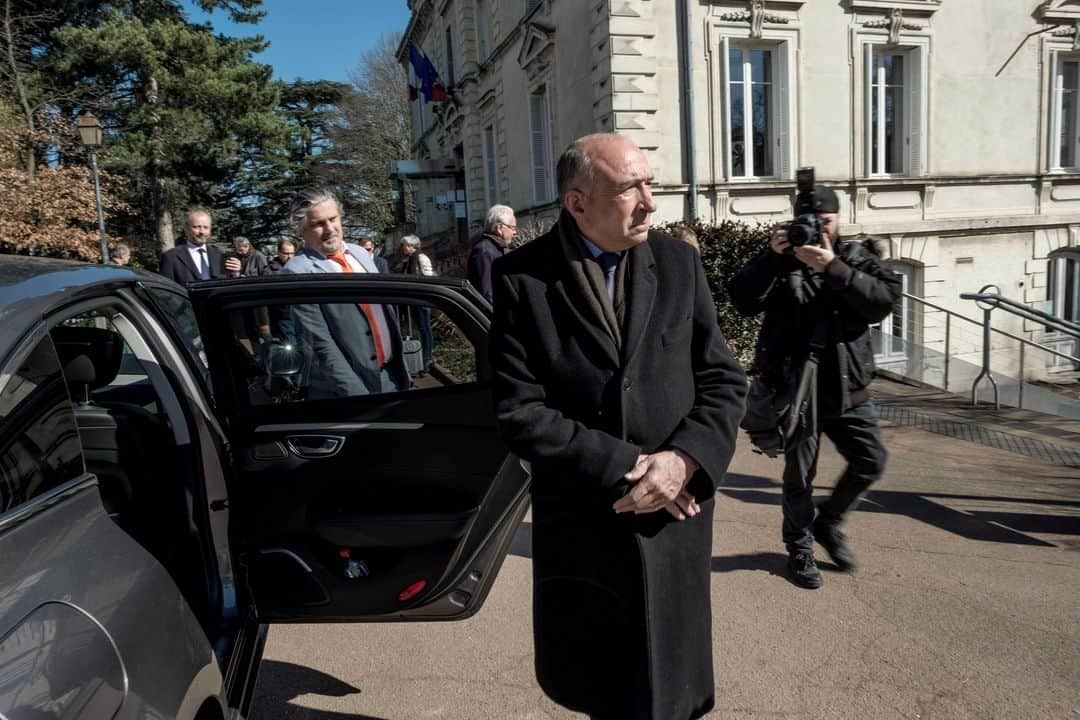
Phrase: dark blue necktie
(608, 261)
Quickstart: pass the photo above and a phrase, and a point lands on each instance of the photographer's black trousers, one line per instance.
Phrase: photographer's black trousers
(857, 438)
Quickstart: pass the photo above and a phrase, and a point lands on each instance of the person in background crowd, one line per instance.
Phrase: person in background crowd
(286, 251)
(380, 262)
(500, 227)
(196, 259)
(120, 255)
(689, 237)
(251, 261)
(417, 263)
(355, 349)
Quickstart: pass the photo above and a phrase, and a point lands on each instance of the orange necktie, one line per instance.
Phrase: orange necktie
(369, 313)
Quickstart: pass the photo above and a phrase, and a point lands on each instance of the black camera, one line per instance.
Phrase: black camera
(805, 229)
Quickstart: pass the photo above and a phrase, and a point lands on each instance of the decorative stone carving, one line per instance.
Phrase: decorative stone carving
(756, 16)
(537, 50)
(895, 23)
(1073, 32)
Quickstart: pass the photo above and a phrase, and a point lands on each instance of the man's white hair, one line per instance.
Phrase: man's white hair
(411, 241)
(497, 215)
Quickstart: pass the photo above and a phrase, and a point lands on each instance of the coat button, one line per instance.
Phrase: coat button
(626, 384)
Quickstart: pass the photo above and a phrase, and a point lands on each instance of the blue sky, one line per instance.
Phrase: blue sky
(314, 39)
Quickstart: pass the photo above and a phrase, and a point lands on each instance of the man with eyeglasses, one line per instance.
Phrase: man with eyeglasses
(286, 251)
(500, 227)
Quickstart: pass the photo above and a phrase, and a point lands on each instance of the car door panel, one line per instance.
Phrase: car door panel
(392, 506)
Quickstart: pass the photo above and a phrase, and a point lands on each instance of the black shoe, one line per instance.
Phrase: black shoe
(803, 570)
(829, 536)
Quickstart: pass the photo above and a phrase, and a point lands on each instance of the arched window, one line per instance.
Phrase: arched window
(1063, 285)
(894, 336)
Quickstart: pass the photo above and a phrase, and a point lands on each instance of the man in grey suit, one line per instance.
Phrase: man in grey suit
(352, 349)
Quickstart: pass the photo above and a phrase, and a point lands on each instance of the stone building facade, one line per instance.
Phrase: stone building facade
(950, 128)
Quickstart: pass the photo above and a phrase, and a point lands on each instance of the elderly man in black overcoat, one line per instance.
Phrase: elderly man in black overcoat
(612, 379)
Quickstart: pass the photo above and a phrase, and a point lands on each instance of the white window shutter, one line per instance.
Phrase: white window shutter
(1056, 81)
(868, 121)
(784, 120)
(915, 112)
(725, 53)
(538, 120)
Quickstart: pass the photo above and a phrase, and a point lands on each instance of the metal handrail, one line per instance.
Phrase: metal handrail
(1011, 306)
(1036, 315)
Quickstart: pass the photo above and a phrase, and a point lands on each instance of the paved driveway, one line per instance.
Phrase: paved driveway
(966, 606)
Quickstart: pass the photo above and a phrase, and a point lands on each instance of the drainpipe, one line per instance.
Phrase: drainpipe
(688, 106)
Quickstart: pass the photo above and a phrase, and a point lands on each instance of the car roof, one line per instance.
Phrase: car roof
(31, 287)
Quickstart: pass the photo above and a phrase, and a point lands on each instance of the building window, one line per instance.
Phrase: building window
(449, 59)
(491, 177)
(894, 110)
(540, 125)
(894, 337)
(757, 104)
(1064, 135)
(483, 30)
(1063, 286)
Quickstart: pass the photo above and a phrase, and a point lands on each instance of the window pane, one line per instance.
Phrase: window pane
(762, 99)
(894, 69)
(322, 351)
(894, 136)
(1068, 114)
(759, 66)
(735, 65)
(738, 154)
(875, 119)
(178, 312)
(39, 442)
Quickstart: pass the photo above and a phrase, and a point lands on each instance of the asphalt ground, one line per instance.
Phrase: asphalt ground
(966, 604)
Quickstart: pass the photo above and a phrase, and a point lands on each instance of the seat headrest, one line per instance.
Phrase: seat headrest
(103, 348)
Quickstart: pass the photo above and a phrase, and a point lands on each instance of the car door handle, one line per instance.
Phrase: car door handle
(314, 447)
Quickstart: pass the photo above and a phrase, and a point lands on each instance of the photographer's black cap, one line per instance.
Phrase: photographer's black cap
(826, 200)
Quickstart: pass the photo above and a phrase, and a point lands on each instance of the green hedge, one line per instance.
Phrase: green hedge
(725, 248)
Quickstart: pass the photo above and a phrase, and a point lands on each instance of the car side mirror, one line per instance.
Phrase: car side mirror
(283, 360)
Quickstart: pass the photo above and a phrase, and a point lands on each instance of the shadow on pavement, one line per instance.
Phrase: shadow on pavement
(770, 562)
(282, 682)
(996, 526)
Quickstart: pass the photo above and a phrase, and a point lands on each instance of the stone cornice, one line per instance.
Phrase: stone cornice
(910, 7)
(1059, 11)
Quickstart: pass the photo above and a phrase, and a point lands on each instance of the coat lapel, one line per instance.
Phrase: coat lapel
(640, 295)
(571, 297)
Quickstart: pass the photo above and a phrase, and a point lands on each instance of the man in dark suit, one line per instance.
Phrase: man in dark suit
(352, 349)
(500, 227)
(612, 379)
(196, 259)
(380, 262)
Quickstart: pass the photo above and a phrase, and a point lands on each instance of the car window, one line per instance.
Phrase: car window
(39, 442)
(122, 379)
(180, 315)
(296, 352)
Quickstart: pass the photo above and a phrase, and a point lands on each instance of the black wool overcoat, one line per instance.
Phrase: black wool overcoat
(622, 617)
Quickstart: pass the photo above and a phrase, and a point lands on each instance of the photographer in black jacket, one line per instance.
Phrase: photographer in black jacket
(819, 296)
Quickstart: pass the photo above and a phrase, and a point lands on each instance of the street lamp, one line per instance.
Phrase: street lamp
(90, 132)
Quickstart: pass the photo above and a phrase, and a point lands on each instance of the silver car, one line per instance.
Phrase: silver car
(168, 486)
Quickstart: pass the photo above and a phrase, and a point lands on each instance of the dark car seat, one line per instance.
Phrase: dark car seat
(123, 443)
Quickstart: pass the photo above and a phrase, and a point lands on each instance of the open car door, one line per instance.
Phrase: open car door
(369, 483)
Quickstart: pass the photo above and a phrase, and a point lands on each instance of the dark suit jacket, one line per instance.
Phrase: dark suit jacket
(620, 600)
(381, 263)
(176, 264)
(337, 338)
(486, 251)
